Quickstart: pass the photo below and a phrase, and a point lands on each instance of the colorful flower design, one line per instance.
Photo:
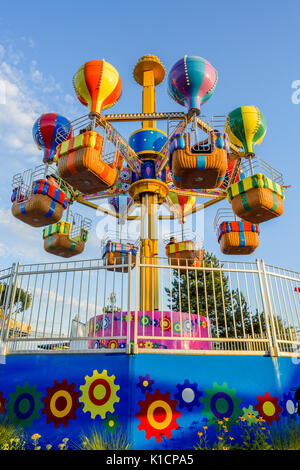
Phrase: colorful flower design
(158, 415)
(24, 405)
(111, 423)
(221, 402)
(268, 408)
(145, 383)
(99, 394)
(61, 403)
(188, 395)
(250, 415)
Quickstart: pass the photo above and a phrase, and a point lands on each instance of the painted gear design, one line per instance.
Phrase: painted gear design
(24, 405)
(61, 403)
(145, 320)
(268, 408)
(250, 415)
(158, 415)
(188, 395)
(99, 394)
(2, 404)
(111, 423)
(188, 325)
(221, 402)
(165, 323)
(289, 405)
(145, 383)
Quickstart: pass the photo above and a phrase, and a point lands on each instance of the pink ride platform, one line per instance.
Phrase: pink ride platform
(155, 330)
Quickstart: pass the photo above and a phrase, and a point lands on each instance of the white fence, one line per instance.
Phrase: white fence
(87, 307)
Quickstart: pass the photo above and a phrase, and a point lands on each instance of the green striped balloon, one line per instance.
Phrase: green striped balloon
(246, 126)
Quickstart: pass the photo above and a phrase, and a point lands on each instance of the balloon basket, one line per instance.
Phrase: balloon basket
(181, 254)
(256, 199)
(67, 239)
(80, 163)
(239, 243)
(35, 211)
(116, 256)
(62, 245)
(194, 169)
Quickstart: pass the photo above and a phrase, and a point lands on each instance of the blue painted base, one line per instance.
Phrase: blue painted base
(161, 401)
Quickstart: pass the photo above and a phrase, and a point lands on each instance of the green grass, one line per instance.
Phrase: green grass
(11, 437)
(98, 440)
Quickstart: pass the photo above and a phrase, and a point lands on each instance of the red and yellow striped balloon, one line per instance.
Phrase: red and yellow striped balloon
(182, 203)
(98, 85)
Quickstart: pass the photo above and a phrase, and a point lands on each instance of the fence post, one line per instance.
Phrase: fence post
(273, 329)
(268, 311)
(128, 342)
(13, 289)
(8, 294)
(137, 279)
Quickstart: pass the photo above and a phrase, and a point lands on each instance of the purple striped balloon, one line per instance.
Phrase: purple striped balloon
(191, 82)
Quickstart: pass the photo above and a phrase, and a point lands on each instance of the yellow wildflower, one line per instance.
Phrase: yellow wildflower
(200, 434)
(231, 438)
(204, 427)
(226, 419)
(35, 437)
(220, 438)
(220, 422)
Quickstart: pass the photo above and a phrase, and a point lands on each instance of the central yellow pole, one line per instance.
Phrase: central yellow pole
(149, 72)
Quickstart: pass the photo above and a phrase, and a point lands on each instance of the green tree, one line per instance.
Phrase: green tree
(208, 293)
(21, 301)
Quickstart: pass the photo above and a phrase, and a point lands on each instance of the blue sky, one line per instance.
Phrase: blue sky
(254, 47)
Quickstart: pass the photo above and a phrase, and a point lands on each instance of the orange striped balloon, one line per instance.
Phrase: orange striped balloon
(98, 85)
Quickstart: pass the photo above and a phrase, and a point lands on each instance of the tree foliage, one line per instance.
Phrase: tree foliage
(22, 299)
(208, 293)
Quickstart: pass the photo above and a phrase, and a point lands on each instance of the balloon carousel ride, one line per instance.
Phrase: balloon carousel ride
(87, 161)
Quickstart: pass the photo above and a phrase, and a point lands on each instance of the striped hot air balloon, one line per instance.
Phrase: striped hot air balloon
(46, 129)
(182, 203)
(98, 85)
(120, 203)
(246, 126)
(191, 82)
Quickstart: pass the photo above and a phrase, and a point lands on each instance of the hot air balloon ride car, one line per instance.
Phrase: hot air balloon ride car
(182, 250)
(191, 82)
(198, 167)
(116, 253)
(235, 237)
(115, 246)
(67, 238)
(81, 159)
(37, 199)
(256, 198)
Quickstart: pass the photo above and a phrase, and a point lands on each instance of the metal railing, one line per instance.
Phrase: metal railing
(87, 307)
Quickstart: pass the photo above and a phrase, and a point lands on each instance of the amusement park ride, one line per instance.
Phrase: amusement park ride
(87, 160)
